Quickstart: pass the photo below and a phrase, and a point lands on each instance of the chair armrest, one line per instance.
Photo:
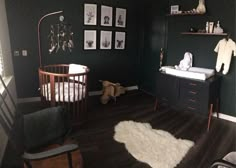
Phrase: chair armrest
(51, 153)
(221, 162)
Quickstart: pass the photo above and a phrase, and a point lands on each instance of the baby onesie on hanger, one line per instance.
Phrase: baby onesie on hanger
(224, 48)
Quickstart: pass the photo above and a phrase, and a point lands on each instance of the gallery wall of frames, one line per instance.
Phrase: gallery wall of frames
(106, 20)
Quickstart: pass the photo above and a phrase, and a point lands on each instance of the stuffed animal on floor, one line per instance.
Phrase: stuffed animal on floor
(111, 91)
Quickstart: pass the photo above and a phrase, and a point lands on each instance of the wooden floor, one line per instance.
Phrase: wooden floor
(100, 150)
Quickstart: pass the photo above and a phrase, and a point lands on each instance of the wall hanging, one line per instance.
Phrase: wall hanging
(106, 15)
(120, 17)
(225, 48)
(90, 39)
(90, 14)
(105, 39)
(61, 36)
(120, 40)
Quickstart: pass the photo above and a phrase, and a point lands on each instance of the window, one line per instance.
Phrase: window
(1, 61)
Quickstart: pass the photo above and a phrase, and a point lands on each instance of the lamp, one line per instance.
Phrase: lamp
(39, 42)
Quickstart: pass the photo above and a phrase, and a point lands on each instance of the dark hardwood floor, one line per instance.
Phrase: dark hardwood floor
(100, 150)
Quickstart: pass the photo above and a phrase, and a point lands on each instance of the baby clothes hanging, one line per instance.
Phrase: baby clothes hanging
(225, 48)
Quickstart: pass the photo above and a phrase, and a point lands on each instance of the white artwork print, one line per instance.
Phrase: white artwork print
(120, 40)
(105, 40)
(106, 16)
(120, 17)
(90, 14)
(90, 39)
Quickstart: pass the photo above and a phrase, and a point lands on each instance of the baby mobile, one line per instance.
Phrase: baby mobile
(60, 37)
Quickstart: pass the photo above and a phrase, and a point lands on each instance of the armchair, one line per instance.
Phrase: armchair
(229, 161)
(28, 133)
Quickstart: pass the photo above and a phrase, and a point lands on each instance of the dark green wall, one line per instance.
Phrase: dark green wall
(115, 65)
(176, 44)
(148, 29)
(153, 29)
(202, 47)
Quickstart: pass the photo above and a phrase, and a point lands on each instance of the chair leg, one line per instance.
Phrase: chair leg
(217, 107)
(156, 104)
(27, 163)
(69, 159)
(209, 117)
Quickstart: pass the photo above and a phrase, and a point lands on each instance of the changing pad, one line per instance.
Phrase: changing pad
(192, 73)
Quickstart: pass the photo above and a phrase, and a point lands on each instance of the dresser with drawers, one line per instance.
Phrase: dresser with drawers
(188, 94)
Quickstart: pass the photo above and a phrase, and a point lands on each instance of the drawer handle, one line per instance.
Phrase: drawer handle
(191, 108)
(193, 84)
(192, 100)
(192, 92)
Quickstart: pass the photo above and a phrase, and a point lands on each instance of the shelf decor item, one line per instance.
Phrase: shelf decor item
(90, 41)
(161, 57)
(218, 29)
(90, 14)
(174, 9)
(201, 8)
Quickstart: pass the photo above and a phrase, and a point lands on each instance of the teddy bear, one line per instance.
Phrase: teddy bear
(111, 91)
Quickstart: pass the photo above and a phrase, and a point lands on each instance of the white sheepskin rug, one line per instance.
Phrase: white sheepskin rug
(157, 148)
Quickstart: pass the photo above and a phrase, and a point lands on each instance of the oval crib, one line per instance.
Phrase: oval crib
(65, 85)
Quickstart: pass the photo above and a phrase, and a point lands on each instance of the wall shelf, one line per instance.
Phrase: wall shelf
(184, 14)
(204, 34)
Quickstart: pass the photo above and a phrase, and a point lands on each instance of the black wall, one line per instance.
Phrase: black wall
(115, 65)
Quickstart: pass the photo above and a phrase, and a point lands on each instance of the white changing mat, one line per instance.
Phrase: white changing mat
(192, 73)
(76, 91)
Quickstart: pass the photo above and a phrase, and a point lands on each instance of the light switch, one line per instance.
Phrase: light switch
(24, 53)
(16, 53)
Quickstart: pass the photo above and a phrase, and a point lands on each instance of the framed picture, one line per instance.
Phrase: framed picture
(105, 39)
(174, 9)
(120, 17)
(120, 40)
(90, 14)
(106, 15)
(90, 39)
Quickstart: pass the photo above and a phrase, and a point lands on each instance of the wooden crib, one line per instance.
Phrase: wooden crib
(60, 87)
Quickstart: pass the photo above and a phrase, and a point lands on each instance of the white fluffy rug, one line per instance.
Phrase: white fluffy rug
(157, 148)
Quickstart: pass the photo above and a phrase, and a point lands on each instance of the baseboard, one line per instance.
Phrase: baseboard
(225, 117)
(97, 93)
(28, 100)
(92, 93)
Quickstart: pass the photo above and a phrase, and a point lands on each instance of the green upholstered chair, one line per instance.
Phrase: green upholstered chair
(28, 133)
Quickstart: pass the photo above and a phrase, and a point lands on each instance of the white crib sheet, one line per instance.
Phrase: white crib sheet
(69, 94)
(193, 72)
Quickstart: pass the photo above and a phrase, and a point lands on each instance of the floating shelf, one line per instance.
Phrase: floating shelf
(184, 14)
(204, 34)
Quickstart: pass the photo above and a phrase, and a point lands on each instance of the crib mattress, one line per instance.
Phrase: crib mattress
(192, 73)
(75, 93)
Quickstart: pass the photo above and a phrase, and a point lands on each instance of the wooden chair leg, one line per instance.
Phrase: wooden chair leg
(28, 164)
(156, 104)
(217, 107)
(209, 117)
(69, 159)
